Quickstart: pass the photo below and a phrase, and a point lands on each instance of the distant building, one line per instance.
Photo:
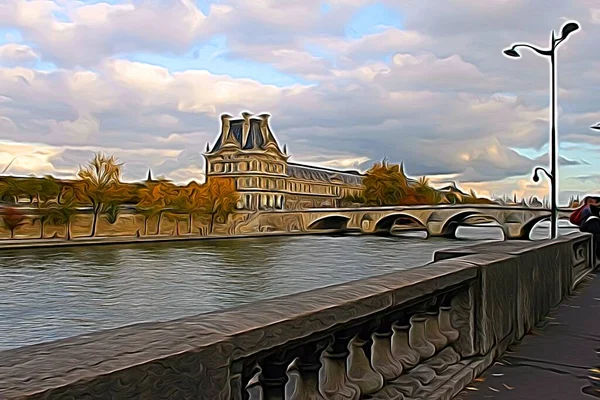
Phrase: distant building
(247, 151)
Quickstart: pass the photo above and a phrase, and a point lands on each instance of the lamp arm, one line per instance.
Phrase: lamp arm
(548, 174)
(546, 53)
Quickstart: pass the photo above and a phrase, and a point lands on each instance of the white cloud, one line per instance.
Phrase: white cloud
(95, 31)
(440, 103)
(12, 54)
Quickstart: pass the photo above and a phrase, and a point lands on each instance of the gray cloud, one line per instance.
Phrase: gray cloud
(440, 105)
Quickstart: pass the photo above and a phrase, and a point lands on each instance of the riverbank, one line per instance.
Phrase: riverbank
(12, 244)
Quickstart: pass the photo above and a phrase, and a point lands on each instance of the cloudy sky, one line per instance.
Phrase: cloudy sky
(347, 82)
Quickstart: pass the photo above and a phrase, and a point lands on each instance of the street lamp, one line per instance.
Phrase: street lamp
(566, 30)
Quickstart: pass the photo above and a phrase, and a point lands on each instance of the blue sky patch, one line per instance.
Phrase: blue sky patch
(372, 19)
(61, 16)
(212, 56)
(10, 36)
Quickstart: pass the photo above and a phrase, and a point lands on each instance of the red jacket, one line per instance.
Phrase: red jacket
(580, 215)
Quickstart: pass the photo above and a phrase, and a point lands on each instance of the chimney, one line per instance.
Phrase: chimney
(245, 127)
(226, 138)
(268, 138)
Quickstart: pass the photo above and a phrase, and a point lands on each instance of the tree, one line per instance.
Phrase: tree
(43, 217)
(426, 194)
(155, 199)
(12, 219)
(146, 212)
(100, 181)
(63, 214)
(218, 199)
(112, 212)
(49, 189)
(385, 185)
(9, 190)
(188, 201)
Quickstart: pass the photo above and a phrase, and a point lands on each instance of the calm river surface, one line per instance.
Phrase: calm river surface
(48, 294)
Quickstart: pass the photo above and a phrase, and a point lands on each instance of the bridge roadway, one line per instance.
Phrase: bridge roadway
(443, 220)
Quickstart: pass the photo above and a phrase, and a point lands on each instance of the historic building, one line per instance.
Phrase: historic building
(247, 151)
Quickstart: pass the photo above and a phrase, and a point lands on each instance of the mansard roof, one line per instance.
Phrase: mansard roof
(322, 174)
(255, 138)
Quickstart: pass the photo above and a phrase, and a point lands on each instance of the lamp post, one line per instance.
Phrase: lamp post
(566, 30)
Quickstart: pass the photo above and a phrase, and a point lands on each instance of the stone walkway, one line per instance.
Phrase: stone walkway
(557, 360)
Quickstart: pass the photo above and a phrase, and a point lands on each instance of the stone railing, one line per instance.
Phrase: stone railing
(420, 333)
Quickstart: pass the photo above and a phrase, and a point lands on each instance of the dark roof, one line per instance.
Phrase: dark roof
(254, 141)
(323, 174)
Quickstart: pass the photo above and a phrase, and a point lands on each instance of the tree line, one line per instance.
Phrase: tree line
(99, 187)
(387, 184)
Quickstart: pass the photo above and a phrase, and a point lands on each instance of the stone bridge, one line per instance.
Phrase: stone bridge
(516, 222)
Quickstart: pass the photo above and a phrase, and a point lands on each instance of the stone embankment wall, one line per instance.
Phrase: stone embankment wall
(421, 333)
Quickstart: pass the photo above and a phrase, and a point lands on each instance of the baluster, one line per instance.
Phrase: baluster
(359, 369)
(381, 356)
(401, 350)
(273, 376)
(309, 364)
(417, 337)
(445, 324)
(254, 387)
(333, 382)
(432, 331)
(295, 388)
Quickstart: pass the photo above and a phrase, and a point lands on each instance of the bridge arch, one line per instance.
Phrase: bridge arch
(451, 224)
(529, 226)
(387, 223)
(338, 222)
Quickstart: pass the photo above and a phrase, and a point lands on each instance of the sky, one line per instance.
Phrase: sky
(347, 82)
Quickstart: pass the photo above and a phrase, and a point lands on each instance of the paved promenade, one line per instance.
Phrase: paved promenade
(558, 360)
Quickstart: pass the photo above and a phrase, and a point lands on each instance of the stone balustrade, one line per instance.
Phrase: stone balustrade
(423, 333)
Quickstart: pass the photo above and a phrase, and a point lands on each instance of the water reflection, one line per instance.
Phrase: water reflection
(48, 294)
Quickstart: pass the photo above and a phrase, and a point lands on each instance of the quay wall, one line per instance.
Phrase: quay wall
(420, 333)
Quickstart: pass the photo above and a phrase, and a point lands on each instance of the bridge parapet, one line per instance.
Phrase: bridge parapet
(516, 222)
(420, 333)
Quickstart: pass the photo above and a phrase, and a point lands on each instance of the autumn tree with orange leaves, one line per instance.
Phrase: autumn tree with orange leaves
(155, 198)
(12, 219)
(99, 184)
(385, 185)
(218, 199)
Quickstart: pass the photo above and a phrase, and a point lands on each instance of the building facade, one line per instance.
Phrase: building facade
(247, 151)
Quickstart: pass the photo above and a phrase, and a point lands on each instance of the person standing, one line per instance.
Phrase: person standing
(586, 217)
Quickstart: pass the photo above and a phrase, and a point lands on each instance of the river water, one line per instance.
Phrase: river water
(48, 294)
